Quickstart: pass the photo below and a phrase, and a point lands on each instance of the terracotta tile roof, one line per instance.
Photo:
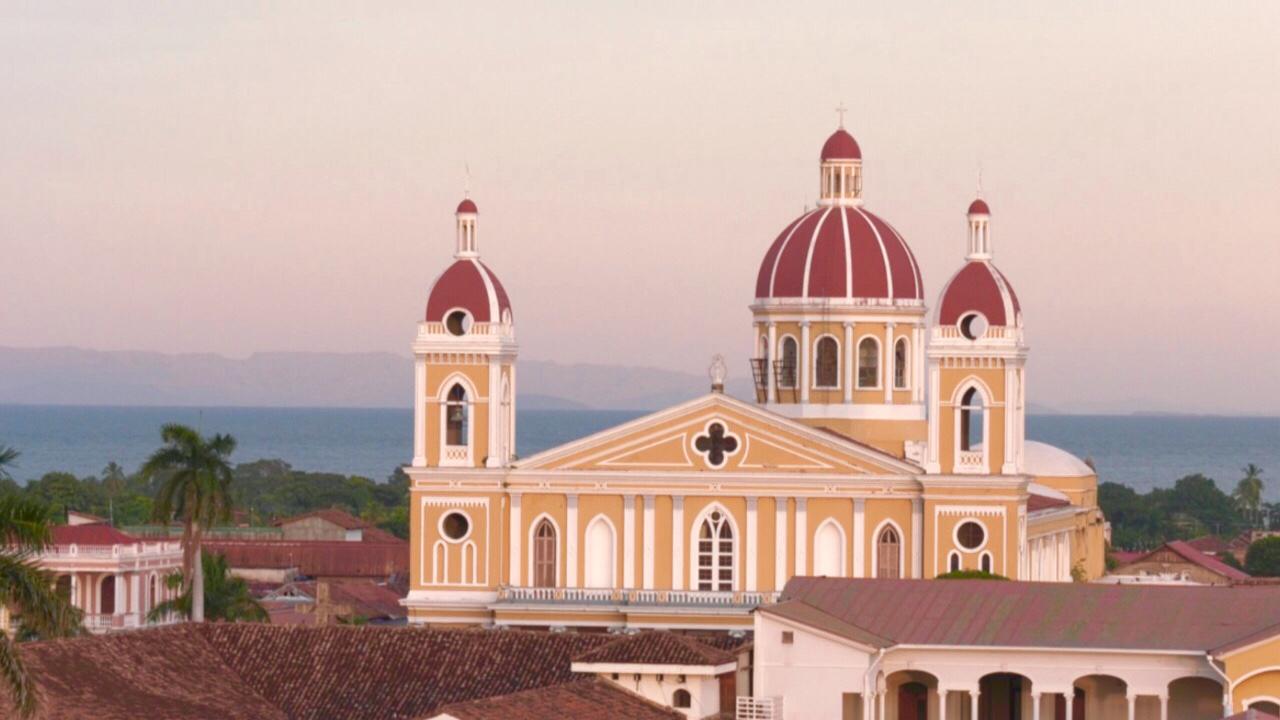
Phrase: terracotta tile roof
(368, 599)
(303, 673)
(1027, 614)
(1124, 557)
(161, 673)
(590, 699)
(1211, 544)
(90, 534)
(337, 516)
(316, 558)
(1036, 503)
(656, 647)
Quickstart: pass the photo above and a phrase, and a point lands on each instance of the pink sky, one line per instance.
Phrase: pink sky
(231, 178)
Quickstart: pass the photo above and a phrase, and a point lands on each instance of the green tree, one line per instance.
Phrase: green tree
(1229, 558)
(8, 458)
(195, 488)
(970, 575)
(28, 591)
(1248, 493)
(226, 597)
(61, 491)
(113, 482)
(1263, 557)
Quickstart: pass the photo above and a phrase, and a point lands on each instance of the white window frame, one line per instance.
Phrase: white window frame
(814, 364)
(533, 529)
(905, 365)
(857, 363)
(695, 552)
(473, 399)
(782, 354)
(875, 548)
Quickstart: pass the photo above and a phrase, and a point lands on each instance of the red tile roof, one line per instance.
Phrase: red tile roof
(1036, 503)
(1211, 544)
(656, 648)
(316, 558)
(1206, 561)
(590, 699)
(1027, 614)
(90, 534)
(368, 599)
(337, 516)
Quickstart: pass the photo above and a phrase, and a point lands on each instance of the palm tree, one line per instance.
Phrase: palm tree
(113, 478)
(28, 591)
(1248, 492)
(7, 456)
(195, 487)
(226, 596)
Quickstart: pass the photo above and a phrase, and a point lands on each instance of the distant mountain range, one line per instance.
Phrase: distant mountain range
(75, 376)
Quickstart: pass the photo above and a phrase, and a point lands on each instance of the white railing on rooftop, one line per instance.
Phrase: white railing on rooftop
(993, 332)
(139, 549)
(484, 329)
(610, 596)
(759, 708)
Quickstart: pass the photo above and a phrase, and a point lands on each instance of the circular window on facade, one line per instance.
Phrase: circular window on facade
(458, 322)
(971, 535)
(973, 326)
(455, 525)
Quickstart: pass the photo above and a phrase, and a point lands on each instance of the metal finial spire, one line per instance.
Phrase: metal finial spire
(979, 181)
(466, 185)
(840, 111)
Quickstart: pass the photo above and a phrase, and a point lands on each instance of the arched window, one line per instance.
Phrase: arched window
(900, 364)
(715, 552)
(456, 417)
(440, 563)
(828, 550)
(681, 699)
(985, 562)
(953, 561)
(888, 553)
(107, 595)
(469, 562)
(869, 363)
(971, 421)
(544, 554)
(600, 554)
(827, 363)
(787, 363)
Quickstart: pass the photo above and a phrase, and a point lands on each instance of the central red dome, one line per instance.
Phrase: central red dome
(841, 251)
(841, 146)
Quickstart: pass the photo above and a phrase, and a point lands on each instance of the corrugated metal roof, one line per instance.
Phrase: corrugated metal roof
(1024, 614)
(316, 558)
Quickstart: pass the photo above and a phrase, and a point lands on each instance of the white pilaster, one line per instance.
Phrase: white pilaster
(1035, 706)
(917, 537)
(889, 355)
(806, 354)
(516, 560)
(780, 543)
(1010, 465)
(493, 415)
(122, 598)
(859, 538)
(571, 542)
(419, 411)
(1070, 697)
(802, 532)
(850, 359)
(935, 412)
(628, 541)
(1164, 707)
(650, 546)
(753, 537)
(917, 364)
(973, 703)
(677, 542)
(1132, 701)
(942, 704)
(773, 355)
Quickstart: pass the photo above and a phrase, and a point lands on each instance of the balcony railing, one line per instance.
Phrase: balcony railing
(611, 596)
(759, 708)
(110, 622)
(483, 329)
(141, 549)
(970, 461)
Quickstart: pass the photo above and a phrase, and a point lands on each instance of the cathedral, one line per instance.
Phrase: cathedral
(885, 439)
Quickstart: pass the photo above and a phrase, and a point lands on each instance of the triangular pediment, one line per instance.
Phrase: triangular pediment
(717, 433)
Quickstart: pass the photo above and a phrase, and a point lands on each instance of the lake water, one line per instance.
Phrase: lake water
(1140, 451)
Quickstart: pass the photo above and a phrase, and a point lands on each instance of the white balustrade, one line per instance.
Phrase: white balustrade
(759, 708)
(697, 598)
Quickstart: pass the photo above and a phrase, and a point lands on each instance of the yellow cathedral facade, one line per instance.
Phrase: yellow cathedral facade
(885, 439)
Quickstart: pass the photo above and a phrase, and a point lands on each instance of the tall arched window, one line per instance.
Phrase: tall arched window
(107, 595)
(544, 555)
(715, 552)
(869, 363)
(828, 550)
(985, 562)
(900, 364)
(827, 363)
(888, 553)
(953, 561)
(787, 363)
(600, 554)
(456, 417)
(971, 421)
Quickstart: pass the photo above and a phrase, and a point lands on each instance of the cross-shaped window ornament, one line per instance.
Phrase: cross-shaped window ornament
(716, 445)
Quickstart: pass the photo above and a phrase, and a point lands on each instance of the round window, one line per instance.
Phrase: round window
(458, 322)
(455, 525)
(973, 326)
(970, 535)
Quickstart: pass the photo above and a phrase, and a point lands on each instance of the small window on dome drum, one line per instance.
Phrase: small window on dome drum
(458, 322)
(973, 326)
(868, 363)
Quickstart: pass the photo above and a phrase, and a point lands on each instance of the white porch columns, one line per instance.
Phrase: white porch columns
(806, 353)
(859, 538)
(1035, 706)
(850, 359)
(650, 547)
(677, 542)
(780, 543)
(419, 411)
(571, 542)
(517, 531)
(135, 596)
(122, 598)
(1070, 698)
(973, 703)
(76, 600)
(942, 704)
(753, 535)
(1164, 707)
(802, 534)
(628, 541)
(1131, 700)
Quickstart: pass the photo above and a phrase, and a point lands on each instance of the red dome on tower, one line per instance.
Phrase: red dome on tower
(841, 146)
(979, 287)
(467, 206)
(979, 207)
(839, 251)
(468, 284)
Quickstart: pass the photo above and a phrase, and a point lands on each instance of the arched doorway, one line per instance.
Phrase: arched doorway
(911, 695)
(1004, 696)
(1195, 698)
(107, 595)
(913, 701)
(1102, 696)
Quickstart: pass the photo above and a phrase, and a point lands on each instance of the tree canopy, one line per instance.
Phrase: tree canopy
(1263, 557)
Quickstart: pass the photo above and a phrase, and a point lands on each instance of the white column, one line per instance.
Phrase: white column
(935, 412)
(773, 355)
(1132, 701)
(849, 361)
(917, 364)
(802, 532)
(492, 414)
(650, 546)
(780, 543)
(419, 411)
(917, 537)
(942, 704)
(571, 543)
(973, 702)
(1035, 706)
(883, 698)
(1070, 697)
(805, 355)
(517, 531)
(888, 363)
(628, 541)
(859, 538)
(753, 536)
(677, 542)
(122, 601)
(1009, 465)
(75, 591)
(1164, 707)
(135, 598)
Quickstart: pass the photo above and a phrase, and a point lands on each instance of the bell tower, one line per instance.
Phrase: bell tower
(465, 363)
